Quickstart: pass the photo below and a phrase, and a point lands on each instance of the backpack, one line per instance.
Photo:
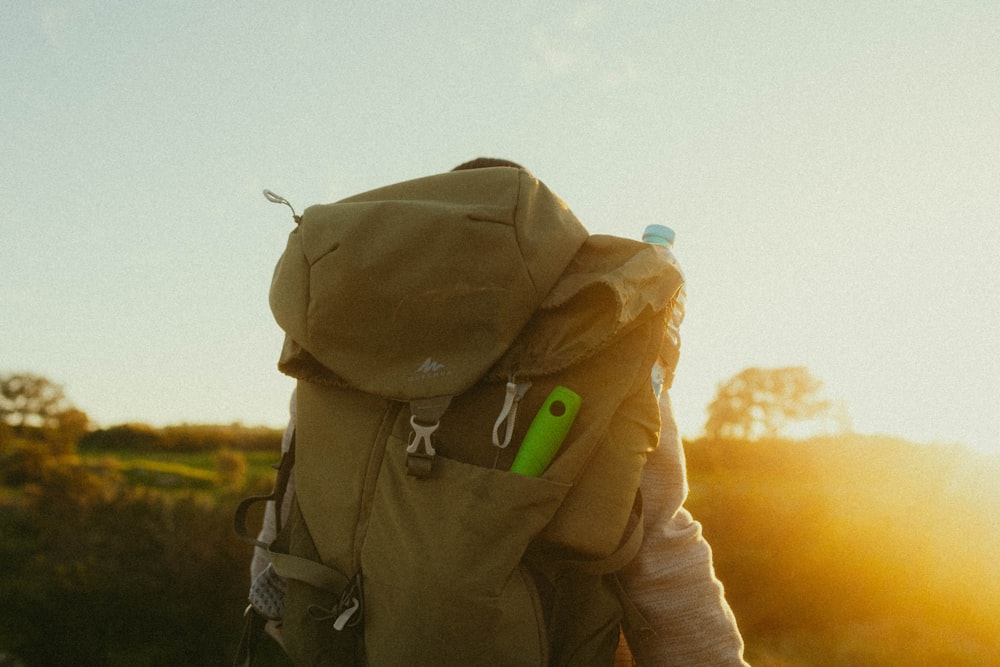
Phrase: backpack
(427, 323)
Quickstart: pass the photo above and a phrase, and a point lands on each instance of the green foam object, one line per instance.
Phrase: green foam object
(547, 431)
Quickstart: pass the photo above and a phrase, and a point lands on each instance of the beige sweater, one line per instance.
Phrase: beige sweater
(671, 581)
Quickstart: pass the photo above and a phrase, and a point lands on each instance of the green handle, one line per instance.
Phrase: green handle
(547, 431)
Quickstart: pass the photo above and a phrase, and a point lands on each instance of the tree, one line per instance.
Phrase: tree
(767, 402)
(31, 405)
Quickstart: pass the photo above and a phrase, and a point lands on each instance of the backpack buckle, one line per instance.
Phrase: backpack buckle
(421, 434)
(419, 463)
(425, 417)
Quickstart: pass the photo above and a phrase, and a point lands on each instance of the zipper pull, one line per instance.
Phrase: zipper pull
(278, 199)
(508, 413)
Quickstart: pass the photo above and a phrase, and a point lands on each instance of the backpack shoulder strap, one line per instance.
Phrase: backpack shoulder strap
(284, 468)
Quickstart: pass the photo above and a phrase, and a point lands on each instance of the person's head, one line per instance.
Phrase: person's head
(484, 162)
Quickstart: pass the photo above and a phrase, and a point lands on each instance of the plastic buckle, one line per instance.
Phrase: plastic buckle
(422, 434)
(420, 463)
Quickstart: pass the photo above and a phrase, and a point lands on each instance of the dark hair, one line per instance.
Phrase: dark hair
(483, 162)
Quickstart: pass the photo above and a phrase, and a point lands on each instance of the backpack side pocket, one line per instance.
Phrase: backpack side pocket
(321, 622)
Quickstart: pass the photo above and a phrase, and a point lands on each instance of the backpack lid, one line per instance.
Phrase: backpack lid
(416, 289)
(611, 284)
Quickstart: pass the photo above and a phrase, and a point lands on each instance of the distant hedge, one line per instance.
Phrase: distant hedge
(182, 438)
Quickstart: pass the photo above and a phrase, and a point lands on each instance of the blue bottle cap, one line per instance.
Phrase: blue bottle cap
(660, 234)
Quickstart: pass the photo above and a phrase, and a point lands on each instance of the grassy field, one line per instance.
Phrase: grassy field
(178, 470)
(853, 551)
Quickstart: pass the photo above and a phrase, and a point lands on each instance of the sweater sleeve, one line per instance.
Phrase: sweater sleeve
(672, 581)
(269, 526)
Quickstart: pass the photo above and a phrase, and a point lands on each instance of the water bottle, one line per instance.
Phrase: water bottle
(662, 237)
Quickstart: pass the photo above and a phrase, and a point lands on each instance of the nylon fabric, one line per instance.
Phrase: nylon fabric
(457, 285)
(443, 271)
(308, 640)
(459, 570)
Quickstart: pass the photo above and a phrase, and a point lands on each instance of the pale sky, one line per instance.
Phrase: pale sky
(832, 171)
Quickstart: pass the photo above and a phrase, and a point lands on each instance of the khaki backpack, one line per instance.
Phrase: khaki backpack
(426, 323)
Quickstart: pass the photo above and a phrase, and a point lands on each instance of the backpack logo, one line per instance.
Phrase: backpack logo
(430, 366)
(428, 370)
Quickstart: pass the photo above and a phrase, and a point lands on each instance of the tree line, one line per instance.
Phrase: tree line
(34, 408)
(753, 404)
(182, 438)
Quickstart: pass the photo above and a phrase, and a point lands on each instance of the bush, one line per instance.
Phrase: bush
(94, 571)
(848, 551)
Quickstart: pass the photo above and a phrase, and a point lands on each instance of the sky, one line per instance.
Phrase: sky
(832, 172)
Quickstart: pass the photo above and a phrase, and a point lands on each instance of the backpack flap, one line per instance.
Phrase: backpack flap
(611, 285)
(415, 290)
(599, 333)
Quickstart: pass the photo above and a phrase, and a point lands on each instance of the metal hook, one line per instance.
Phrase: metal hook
(278, 199)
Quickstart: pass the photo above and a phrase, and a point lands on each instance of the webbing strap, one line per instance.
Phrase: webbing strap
(253, 630)
(284, 467)
(348, 610)
(240, 519)
(308, 571)
(508, 413)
